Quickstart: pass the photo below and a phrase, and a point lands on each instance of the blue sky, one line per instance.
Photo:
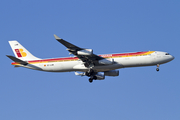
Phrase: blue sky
(106, 27)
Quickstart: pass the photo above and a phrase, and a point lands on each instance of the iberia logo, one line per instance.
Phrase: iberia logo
(20, 53)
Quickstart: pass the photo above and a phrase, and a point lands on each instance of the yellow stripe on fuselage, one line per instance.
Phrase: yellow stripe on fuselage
(75, 59)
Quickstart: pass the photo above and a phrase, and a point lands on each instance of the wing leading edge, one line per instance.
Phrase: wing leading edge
(89, 60)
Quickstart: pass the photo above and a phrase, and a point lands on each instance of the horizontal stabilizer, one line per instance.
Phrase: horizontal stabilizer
(17, 60)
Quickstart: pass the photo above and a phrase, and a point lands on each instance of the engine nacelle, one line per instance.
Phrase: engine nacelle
(112, 73)
(85, 52)
(106, 61)
(100, 76)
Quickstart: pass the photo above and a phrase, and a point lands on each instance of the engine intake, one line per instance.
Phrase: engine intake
(106, 61)
(85, 52)
(100, 76)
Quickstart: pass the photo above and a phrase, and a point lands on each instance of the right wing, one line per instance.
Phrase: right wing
(88, 58)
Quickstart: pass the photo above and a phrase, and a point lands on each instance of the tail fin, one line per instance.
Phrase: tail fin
(21, 52)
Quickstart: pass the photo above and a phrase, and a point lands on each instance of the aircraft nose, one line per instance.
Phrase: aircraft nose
(172, 57)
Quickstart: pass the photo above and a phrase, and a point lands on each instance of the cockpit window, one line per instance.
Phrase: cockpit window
(167, 53)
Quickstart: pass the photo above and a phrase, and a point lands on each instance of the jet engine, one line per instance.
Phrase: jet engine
(99, 76)
(106, 61)
(111, 73)
(85, 52)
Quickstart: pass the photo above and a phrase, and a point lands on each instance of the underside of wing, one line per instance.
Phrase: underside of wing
(85, 55)
(67, 44)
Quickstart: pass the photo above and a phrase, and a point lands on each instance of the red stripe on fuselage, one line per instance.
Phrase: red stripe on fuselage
(76, 58)
(127, 54)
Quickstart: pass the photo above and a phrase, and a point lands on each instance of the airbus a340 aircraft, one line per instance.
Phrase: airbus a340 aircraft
(96, 67)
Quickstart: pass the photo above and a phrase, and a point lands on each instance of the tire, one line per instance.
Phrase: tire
(90, 80)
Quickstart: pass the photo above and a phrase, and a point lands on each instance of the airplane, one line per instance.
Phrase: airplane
(85, 62)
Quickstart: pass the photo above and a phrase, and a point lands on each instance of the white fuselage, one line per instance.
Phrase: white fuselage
(155, 58)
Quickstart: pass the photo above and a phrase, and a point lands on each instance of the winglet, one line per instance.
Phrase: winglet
(56, 37)
(17, 60)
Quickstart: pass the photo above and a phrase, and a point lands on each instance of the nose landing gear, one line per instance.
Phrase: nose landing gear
(157, 69)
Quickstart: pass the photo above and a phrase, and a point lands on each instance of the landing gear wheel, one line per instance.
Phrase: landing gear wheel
(157, 69)
(95, 78)
(90, 80)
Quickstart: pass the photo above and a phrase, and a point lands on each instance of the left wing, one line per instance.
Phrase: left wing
(86, 55)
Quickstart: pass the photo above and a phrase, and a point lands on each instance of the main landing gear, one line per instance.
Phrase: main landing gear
(90, 80)
(91, 74)
(157, 69)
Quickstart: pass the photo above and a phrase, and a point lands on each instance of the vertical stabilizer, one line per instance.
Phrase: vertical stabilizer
(21, 52)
